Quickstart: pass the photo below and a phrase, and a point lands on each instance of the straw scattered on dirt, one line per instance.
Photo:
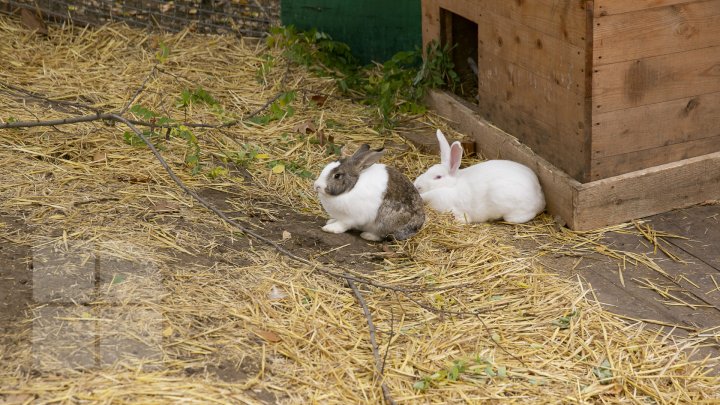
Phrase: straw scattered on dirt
(126, 290)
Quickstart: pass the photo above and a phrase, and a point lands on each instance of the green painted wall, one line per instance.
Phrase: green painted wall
(374, 29)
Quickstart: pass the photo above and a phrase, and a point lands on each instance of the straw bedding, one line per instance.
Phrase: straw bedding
(141, 295)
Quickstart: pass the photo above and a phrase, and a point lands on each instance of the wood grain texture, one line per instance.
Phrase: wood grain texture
(496, 144)
(647, 192)
(641, 159)
(551, 58)
(701, 225)
(546, 116)
(430, 12)
(656, 125)
(655, 79)
(561, 19)
(611, 7)
(656, 31)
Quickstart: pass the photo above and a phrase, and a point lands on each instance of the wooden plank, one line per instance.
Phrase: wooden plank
(546, 56)
(657, 31)
(627, 162)
(466, 8)
(656, 79)
(560, 19)
(559, 188)
(656, 125)
(701, 225)
(646, 192)
(430, 12)
(611, 7)
(546, 116)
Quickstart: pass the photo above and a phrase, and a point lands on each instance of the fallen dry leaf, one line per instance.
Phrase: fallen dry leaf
(319, 99)
(305, 127)
(99, 157)
(164, 207)
(267, 335)
(33, 21)
(322, 139)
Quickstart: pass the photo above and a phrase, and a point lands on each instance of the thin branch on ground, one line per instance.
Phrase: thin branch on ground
(38, 96)
(379, 366)
(139, 90)
(391, 334)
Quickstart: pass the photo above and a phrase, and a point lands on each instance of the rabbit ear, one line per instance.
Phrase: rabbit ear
(364, 158)
(444, 148)
(456, 152)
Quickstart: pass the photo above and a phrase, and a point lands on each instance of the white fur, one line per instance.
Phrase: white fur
(356, 208)
(487, 191)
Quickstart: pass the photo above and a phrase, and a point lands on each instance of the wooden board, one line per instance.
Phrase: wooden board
(496, 144)
(561, 19)
(656, 31)
(627, 162)
(656, 79)
(671, 122)
(647, 192)
(430, 14)
(548, 57)
(611, 7)
(701, 225)
(547, 117)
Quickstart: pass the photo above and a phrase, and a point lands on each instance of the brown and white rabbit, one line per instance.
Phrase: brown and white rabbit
(359, 193)
(487, 191)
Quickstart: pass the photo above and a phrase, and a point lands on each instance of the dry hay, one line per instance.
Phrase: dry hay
(183, 307)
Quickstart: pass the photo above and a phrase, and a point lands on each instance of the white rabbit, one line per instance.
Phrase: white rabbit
(361, 194)
(487, 191)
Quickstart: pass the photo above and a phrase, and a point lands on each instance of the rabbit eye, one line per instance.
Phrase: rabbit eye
(337, 175)
(438, 177)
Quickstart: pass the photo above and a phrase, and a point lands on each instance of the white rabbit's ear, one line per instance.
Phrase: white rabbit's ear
(456, 152)
(444, 148)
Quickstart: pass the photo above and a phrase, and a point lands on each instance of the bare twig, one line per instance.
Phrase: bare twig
(49, 100)
(61, 121)
(139, 90)
(373, 342)
(390, 336)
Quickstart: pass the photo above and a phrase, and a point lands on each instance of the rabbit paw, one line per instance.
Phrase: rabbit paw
(330, 221)
(370, 236)
(335, 227)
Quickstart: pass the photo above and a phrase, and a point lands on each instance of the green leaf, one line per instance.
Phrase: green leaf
(162, 53)
(218, 171)
(603, 372)
(564, 321)
(421, 385)
(142, 112)
(117, 279)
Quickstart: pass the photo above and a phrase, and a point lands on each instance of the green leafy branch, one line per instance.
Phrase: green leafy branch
(394, 87)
